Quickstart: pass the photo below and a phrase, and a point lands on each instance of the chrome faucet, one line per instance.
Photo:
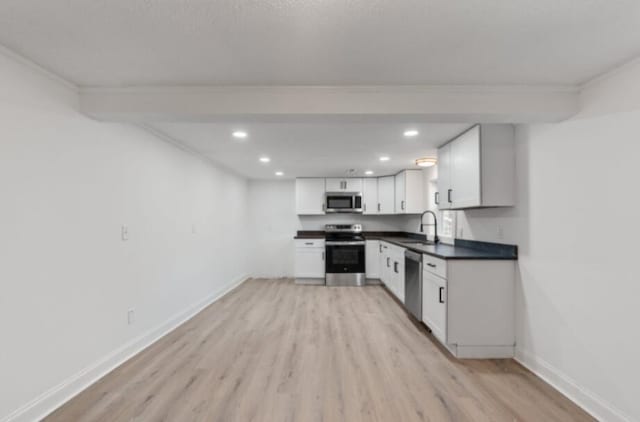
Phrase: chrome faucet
(435, 224)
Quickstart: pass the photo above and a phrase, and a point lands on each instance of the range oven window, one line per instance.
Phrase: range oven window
(345, 259)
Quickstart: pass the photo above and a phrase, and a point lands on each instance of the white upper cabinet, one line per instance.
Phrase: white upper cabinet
(347, 184)
(409, 187)
(310, 196)
(477, 169)
(442, 196)
(386, 195)
(465, 169)
(370, 196)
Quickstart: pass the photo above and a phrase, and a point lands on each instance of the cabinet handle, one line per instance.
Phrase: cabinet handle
(365, 207)
(395, 267)
(378, 206)
(449, 195)
(324, 207)
(402, 205)
(388, 262)
(323, 256)
(431, 265)
(437, 198)
(380, 246)
(308, 243)
(440, 291)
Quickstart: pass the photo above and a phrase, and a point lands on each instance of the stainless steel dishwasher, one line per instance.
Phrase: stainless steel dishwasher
(413, 283)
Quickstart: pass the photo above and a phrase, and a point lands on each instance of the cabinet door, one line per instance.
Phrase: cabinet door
(434, 304)
(400, 193)
(309, 263)
(398, 275)
(353, 185)
(386, 195)
(336, 184)
(385, 264)
(372, 259)
(370, 196)
(310, 196)
(414, 192)
(442, 197)
(465, 169)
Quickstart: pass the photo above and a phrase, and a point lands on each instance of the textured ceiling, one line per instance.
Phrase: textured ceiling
(323, 42)
(312, 149)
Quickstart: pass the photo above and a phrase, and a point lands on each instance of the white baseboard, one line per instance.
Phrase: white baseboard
(53, 398)
(583, 397)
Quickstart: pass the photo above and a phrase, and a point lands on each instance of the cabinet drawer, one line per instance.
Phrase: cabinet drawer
(309, 243)
(434, 265)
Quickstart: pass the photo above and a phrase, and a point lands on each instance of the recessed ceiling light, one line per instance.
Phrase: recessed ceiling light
(410, 133)
(265, 159)
(426, 161)
(279, 173)
(240, 134)
(368, 172)
(384, 158)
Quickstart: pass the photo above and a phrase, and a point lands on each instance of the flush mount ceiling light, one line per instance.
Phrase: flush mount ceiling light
(265, 159)
(426, 161)
(384, 158)
(368, 172)
(279, 173)
(410, 133)
(240, 134)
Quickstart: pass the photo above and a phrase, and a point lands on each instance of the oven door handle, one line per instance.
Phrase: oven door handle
(355, 243)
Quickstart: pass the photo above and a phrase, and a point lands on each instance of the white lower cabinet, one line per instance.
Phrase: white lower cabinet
(309, 260)
(392, 268)
(372, 259)
(434, 304)
(385, 263)
(397, 257)
(469, 306)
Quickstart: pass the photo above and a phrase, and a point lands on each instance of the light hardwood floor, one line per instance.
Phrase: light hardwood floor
(275, 351)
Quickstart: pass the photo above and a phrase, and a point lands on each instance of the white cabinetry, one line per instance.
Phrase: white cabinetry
(392, 269)
(309, 261)
(386, 195)
(370, 195)
(310, 196)
(469, 305)
(409, 188)
(477, 168)
(434, 307)
(347, 184)
(385, 263)
(372, 259)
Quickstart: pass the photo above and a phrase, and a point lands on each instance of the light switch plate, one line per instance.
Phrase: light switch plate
(124, 232)
(131, 316)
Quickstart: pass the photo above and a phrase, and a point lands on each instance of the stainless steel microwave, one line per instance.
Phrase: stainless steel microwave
(346, 202)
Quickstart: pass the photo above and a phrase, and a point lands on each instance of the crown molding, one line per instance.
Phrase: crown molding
(41, 70)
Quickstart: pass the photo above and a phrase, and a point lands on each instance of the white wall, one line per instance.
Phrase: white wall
(575, 224)
(274, 222)
(67, 183)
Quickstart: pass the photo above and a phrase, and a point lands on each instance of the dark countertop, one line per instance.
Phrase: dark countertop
(462, 249)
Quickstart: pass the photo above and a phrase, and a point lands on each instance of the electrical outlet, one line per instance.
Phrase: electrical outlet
(131, 316)
(500, 232)
(124, 232)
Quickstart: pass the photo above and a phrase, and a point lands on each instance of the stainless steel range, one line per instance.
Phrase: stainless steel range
(345, 255)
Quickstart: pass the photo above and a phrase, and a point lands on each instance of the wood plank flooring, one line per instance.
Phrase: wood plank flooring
(275, 351)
